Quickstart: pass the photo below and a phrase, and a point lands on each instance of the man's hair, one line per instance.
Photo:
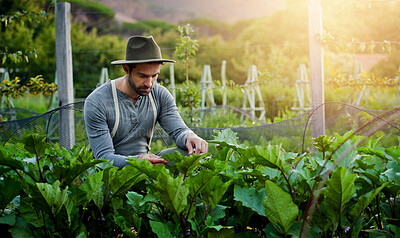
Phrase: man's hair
(132, 66)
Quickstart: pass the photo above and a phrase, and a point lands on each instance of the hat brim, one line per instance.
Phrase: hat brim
(116, 62)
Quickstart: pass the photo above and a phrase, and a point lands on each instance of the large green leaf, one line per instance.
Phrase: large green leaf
(250, 198)
(9, 189)
(241, 149)
(132, 218)
(372, 176)
(93, 187)
(304, 172)
(185, 164)
(227, 136)
(125, 179)
(69, 172)
(324, 143)
(279, 207)
(7, 160)
(271, 156)
(134, 200)
(363, 201)
(393, 153)
(214, 191)
(340, 188)
(160, 229)
(22, 229)
(53, 195)
(35, 144)
(372, 151)
(172, 192)
(108, 173)
(218, 213)
(190, 163)
(145, 167)
(9, 219)
(29, 207)
(392, 175)
(346, 155)
(220, 232)
(198, 182)
(72, 207)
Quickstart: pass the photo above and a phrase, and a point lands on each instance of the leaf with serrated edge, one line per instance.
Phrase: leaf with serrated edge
(53, 195)
(172, 192)
(93, 187)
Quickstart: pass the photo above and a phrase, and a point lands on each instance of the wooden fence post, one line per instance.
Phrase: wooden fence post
(316, 67)
(64, 73)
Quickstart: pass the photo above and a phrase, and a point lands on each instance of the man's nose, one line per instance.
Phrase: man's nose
(148, 82)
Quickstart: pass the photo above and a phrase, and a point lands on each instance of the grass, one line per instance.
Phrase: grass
(36, 103)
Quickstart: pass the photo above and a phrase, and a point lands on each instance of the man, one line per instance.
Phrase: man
(121, 114)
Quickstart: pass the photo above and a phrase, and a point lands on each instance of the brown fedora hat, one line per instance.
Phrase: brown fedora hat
(142, 49)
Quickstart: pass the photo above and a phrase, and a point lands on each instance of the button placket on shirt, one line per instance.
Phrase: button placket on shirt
(133, 113)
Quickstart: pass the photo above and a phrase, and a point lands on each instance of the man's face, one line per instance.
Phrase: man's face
(143, 77)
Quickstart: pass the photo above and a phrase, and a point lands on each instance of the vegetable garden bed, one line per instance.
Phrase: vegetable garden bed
(233, 191)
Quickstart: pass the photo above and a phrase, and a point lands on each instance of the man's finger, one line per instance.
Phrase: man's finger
(189, 146)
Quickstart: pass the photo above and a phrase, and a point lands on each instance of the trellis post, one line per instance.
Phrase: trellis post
(4, 100)
(103, 76)
(397, 81)
(358, 70)
(172, 79)
(223, 81)
(64, 73)
(316, 67)
(207, 88)
(302, 90)
(252, 88)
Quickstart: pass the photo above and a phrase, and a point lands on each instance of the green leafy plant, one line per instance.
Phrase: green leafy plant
(13, 89)
(185, 49)
(234, 190)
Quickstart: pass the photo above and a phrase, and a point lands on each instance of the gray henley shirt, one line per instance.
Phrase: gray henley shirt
(135, 123)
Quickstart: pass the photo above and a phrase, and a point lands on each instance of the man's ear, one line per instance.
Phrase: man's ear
(126, 68)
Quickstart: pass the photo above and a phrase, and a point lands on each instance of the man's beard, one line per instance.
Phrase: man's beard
(141, 90)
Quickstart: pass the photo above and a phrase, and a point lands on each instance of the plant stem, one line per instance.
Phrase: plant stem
(378, 213)
(187, 71)
(289, 187)
(38, 165)
(391, 205)
(183, 225)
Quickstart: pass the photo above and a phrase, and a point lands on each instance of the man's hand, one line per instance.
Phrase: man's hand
(154, 159)
(195, 144)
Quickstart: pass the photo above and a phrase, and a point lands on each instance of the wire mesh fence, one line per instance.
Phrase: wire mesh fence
(294, 134)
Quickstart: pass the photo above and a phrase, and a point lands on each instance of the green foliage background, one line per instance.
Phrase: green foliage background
(276, 44)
